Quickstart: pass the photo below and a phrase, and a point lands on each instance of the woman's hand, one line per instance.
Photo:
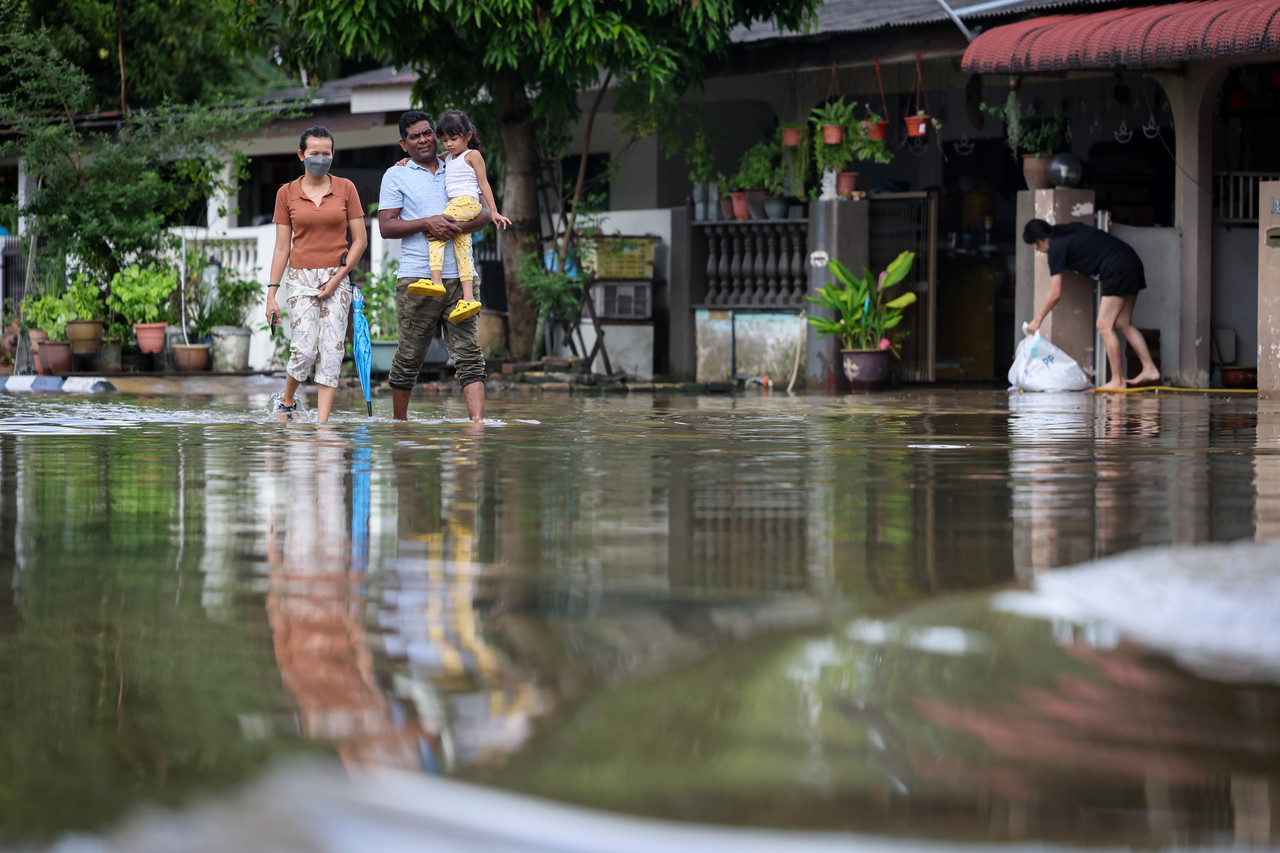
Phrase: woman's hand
(1033, 326)
(273, 308)
(331, 286)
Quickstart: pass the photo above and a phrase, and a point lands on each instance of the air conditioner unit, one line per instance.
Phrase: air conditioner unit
(623, 300)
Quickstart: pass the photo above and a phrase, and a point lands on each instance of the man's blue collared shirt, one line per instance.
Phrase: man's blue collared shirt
(418, 194)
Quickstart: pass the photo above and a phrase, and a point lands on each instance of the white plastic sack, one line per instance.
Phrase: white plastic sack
(1038, 365)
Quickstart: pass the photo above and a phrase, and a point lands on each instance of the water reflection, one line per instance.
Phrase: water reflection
(739, 610)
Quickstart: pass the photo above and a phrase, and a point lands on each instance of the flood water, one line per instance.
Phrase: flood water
(948, 616)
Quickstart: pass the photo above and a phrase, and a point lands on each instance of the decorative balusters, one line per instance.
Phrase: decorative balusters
(756, 263)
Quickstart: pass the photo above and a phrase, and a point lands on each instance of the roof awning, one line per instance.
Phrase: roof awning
(1171, 32)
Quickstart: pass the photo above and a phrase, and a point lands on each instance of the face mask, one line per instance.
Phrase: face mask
(318, 166)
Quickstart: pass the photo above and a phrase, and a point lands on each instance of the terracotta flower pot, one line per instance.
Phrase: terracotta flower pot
(917, 125)
(191, 358)
(866, 369)
(791, 136)
(1035, 171)
(85, 336)
(740, 209)
(150, 336)
(37, 337)
(833, 134)
(726, 207)
(875, 129)
(846, 182)
(56, 356)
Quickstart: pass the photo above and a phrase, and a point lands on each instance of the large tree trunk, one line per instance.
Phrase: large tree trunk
(519, 204)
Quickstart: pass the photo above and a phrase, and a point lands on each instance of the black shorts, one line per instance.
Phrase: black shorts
(1125, 280)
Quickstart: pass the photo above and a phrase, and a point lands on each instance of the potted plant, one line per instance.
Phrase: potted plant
(1036, 143)
(834, 118)
(46, 317)
(380, 312)
(229, 333)
(874, 126)
(726, 198)
(701, 174)
(83, 301)
(756, 171)
(791, 134)
(866, 320)
(140, 295)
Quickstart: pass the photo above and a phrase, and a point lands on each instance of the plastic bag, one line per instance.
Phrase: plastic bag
(1038, 365)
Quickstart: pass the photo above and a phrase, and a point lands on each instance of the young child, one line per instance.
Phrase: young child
(464, 181)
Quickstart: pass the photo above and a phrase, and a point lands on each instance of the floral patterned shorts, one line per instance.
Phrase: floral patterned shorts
(319, 325)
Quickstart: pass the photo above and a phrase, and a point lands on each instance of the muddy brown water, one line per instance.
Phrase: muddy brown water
(935, 614)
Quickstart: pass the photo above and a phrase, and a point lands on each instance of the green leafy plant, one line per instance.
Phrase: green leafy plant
(140, 294)
(83, 299)
(1022, 137)
(380, 303)
(554, 292)
(866, 318)
(701, 159)
(837, 112)
(758, 167)
(46, 312)
(834, 157)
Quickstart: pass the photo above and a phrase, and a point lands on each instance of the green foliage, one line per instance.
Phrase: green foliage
(173, 50)
(856, 145)
(1041, 140)
(552, 291)
(837, 112)
(758, 167)
(106, 191)
(701, 159)
(84, 299)
(46, 312)
(140, 294)
(380, 303)
(865, 319)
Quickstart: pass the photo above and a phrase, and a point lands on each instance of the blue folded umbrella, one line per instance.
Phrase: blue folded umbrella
(361, 347)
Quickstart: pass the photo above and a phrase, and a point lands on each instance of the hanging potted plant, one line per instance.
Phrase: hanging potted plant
(791, 134)
(141, 295)
(1036, 143)
(867, 318)
(833, 119)
(874, 126)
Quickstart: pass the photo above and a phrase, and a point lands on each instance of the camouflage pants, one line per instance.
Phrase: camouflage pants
(419, 316)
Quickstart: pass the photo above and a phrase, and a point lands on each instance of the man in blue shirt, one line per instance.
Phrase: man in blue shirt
(410, 207)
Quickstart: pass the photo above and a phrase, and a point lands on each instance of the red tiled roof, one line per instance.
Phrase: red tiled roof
(1170, 32)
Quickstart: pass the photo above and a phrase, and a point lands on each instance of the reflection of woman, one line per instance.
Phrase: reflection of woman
(1088, 251)
(312, 217)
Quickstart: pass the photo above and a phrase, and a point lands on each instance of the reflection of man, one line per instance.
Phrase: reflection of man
(410, 207)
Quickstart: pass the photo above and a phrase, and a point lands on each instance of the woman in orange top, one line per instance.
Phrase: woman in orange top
(313, 215)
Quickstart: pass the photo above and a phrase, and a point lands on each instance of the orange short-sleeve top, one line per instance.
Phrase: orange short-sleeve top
(319, 231)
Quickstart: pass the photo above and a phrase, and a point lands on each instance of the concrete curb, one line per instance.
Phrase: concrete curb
(70, 385)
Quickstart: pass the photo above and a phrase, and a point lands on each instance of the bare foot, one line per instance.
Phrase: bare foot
(1146, 377)
(1113, 385)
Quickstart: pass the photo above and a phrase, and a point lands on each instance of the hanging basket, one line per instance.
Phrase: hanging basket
(833, 134)
(791, 137)
(917, 125)
(875, 130)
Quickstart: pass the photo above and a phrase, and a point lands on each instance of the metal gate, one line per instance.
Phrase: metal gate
(13, 275)
(909, 222)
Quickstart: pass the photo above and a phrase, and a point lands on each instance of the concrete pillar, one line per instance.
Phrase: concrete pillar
(686, 255)
(1071, 325)
(1192, 95)
(840, 230)
(1269, 289)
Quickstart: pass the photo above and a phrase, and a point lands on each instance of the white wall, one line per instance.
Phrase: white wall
(1160, 305)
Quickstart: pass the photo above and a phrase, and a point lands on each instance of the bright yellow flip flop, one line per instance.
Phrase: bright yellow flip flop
(463, 310)
(426, 287)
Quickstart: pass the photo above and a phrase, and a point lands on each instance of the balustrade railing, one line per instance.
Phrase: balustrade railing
(755, 263)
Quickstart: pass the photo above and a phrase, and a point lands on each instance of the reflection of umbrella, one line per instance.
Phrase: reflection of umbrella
(361, 347)
(361, 462)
